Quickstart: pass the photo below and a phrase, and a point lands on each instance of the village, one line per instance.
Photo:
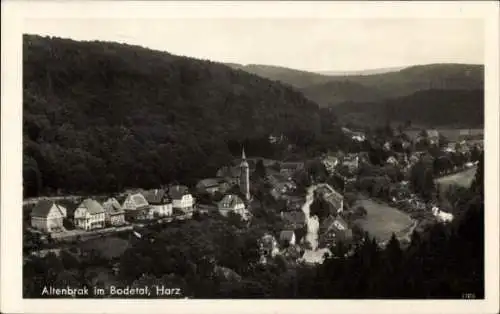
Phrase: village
(347, 184)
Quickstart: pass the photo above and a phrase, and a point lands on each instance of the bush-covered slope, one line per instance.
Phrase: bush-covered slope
(100, 116)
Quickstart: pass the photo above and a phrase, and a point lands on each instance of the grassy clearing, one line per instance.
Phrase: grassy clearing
(382, 220)
(463, 179)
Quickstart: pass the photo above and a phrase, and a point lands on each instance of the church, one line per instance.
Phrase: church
(244, 181)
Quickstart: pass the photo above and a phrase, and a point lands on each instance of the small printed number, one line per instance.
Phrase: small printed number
(468, 296)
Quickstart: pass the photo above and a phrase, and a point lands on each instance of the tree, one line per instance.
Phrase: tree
(260, 170)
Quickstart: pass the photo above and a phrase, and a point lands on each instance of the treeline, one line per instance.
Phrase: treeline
(445, 262)
(434, 108)
(101, 116)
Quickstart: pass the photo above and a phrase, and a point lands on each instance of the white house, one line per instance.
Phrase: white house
(89, 215)
(442, 216)
(160, 203)
(48, 216)
(232, 203)
(181, 198)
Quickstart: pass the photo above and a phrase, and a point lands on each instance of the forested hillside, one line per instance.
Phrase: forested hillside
(432, 108)
(332, 90)
(99, 116)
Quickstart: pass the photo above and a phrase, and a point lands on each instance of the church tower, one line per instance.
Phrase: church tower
(245, 176)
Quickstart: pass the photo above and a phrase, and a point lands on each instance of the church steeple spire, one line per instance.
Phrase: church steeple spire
(244, 176)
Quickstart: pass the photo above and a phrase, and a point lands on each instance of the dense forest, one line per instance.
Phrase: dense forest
(100, 116)
(433, 108)
(215, 257)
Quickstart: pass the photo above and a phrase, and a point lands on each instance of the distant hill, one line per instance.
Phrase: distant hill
(100, 116)
(361, 72)
(431, 108)
(330, 90)
(295, 78)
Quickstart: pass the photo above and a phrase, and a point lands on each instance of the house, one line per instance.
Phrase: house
(330, 162)
(48, 216)
(387, 146)
(136, 207)
(433, 137)
(315, 257)
(287, 238)
(268, 246)
(114, 213)
(392, 160)
(205, 208)
(160, 205)
(212, 185)
(352, 162)
(358, 137)
(89, 215)
(181, 198)
(335, 229)
(294, 220)
(442, 216)
(232, 203)
(287, 169)
(230, 174)
(334, 198)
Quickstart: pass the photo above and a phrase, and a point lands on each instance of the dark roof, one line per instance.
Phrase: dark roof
(42, 208)
(291, 165)
(229, 172)
(92, 206)
(156, 196)
(286, 235)
(178, 191)
(296, 217)
(208, 183)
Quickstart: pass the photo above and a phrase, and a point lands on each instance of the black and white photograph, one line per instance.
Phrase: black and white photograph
(253, 158)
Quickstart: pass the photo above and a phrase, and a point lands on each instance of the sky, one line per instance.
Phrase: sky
(300, 43)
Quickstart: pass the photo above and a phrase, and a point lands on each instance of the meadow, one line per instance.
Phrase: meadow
(463, 179)
(382, 220)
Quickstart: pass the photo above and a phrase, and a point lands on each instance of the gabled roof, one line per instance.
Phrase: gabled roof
(229, 172)
(293, 165)
(286, 235)
(176, 192)
(43, 207)
(138, 200)
(155, 197)
(230, 201)
(112, 206)
(208, 183)
(340, 227)
(93, 207)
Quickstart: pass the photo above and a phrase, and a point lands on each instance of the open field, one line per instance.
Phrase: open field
(463, 178)
(382, 220)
